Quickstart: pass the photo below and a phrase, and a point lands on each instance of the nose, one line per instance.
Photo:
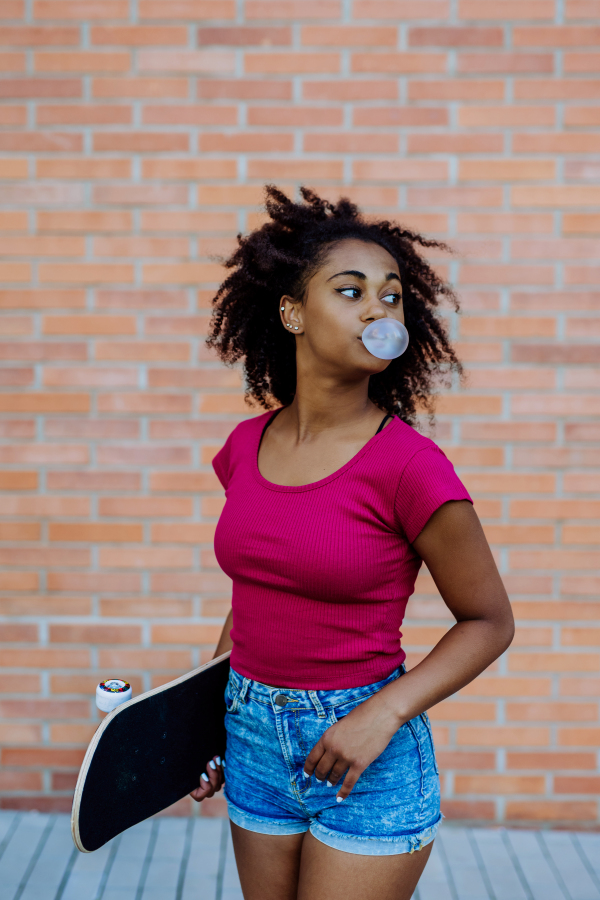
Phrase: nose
(373, 310)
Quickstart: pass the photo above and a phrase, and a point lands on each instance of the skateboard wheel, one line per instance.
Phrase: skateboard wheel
(111, 693)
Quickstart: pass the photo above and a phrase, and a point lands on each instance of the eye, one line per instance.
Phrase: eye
(353, 292)
(392, 299)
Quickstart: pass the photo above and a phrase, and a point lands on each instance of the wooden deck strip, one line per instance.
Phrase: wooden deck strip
(192, 859)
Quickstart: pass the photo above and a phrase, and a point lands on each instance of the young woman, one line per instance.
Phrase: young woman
(333, 502)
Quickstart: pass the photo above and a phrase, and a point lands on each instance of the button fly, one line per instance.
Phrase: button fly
(281, 699)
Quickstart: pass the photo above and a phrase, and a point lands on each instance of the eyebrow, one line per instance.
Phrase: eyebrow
(362, 275)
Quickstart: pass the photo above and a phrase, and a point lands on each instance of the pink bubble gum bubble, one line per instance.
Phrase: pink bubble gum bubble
(385, 338)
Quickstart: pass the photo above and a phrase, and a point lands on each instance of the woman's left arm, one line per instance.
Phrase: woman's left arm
(458, 556)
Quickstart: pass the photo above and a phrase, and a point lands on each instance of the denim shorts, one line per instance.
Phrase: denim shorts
(393, 808)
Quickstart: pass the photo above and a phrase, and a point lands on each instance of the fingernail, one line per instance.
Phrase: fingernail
(212, 765)
(223, 763)
(329, 784)
(218, 760)
(338, 799)
(306, 775)
(205, 776)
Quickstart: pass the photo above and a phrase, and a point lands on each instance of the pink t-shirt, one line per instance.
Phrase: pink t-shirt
(322, 572)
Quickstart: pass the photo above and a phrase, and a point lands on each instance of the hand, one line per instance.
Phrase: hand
(210, 783)
(352, 744)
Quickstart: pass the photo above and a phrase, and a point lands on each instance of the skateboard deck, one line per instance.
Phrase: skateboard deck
(148, 753)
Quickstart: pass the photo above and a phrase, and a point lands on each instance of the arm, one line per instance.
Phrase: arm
(215, 775)
(457, 554)
(225, 642)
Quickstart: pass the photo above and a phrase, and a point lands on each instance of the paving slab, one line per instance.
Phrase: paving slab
(536, 869)
(461, 864)
(192, 859)
(569, 868)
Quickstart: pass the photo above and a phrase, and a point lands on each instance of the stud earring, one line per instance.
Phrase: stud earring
(288, 324)
(296, 327)
(282, 308)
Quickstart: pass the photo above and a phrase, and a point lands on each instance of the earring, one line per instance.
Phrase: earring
(282, 308)
(288, 324)
(296, 327)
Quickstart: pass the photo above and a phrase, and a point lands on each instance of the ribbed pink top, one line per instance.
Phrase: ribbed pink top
(322, 572)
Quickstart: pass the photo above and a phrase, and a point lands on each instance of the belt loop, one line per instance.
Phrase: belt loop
(243, 690)
(317, 704)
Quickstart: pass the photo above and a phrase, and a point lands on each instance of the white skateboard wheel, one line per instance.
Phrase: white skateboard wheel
(111, 693)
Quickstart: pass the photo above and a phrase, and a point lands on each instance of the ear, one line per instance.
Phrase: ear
(290, 313)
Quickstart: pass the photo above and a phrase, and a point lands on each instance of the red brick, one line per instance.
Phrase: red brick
(86, 61)
(455, 37)
(96, 532)
(400, 170)
(83, 168)
(190, 115)
(244, 89)
(582, 115)
(355, 89)
(188, 9)
(292, 9)
(455, 89)
(80, 9)
(454, 143)
(348, 36)
(26, 88)
(399, 63)
(499, 784)
(12, 9)
(245, 37)
(556, 36)
(555, 89)
(291, 63)
(505, 116)
(582, 9)
(569, 784)
(551, 810)
(295, 116)
(149, 88)
(510, 9)
(549, 760)
(400, 9)
(138, 35)
(303, 170)
(186, 634)
(395, 115)
(506, 170)
(556, 143)
(13, 115)
(205, 62)
(12, 62)
(83, 115)
(140, 142)
(469, 809)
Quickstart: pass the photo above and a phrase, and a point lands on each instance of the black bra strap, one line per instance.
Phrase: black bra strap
(383, 423)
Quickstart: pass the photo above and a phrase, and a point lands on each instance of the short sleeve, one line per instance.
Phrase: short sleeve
(221, 462)
(428, 481)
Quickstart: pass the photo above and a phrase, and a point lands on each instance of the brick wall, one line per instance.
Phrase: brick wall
(134, 146)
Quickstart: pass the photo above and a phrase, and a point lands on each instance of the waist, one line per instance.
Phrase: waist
(305, 698)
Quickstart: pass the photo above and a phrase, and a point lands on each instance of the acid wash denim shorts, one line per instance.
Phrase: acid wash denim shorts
(393, 808)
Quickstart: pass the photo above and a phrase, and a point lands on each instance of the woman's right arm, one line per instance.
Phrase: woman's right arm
(211, 783)
(225, 642)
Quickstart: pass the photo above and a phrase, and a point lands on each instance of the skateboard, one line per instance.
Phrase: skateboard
(148, 753)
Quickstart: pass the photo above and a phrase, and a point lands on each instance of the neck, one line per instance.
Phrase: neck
(326, 404)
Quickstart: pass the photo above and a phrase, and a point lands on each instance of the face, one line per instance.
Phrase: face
(358, 283)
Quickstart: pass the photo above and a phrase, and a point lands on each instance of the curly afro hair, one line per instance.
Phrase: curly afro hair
(280, 257)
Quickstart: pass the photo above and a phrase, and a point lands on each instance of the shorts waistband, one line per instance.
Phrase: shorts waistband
(247, 689)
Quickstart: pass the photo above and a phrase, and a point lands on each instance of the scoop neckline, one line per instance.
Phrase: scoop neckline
(298, 488)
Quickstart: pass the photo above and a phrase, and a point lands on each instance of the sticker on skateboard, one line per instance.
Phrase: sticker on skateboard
(148, 753)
